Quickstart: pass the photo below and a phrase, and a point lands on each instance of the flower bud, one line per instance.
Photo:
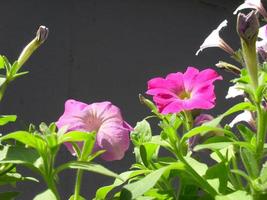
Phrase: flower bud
(248, 26)
(147, 102)
(41, 36)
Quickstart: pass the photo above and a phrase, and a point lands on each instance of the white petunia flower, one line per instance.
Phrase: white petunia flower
(252, 4)
(214, 40)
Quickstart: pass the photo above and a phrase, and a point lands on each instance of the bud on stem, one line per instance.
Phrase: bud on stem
(41, 36)
(247, 28)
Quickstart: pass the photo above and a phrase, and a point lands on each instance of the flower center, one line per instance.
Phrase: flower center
(184, 95)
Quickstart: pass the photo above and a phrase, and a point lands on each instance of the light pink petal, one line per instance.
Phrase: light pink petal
(114, 138)
(72, 106)
(105, 110)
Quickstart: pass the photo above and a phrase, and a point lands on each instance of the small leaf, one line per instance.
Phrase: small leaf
(138, 188)
(263, 174)
(4, 119)
(19, 155)
(47, 194)
(2, 62)
(27, 139)
(96, 168)
(148, 151)
(141, 133)
(74, 136)
(250, 162)
(7, 63)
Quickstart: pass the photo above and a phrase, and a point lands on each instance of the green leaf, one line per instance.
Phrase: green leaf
(250, 162)
(138, 188)
(2, 80)
(2, 62)
(4, 119)
(96, 168)
(235, 196)
(101, 193)
(246, 133)
(263, 174)
(20, 155)
(205, 129)
(27, 139)
(148, 151)
(236, 108)
(141, 133)
(11, 178)
(7, 63)
(74, 136)
(47, 194)
(212, 146)
(219, 173)
(14, 68)
(8, 195)
(79, 198)
(199, 167)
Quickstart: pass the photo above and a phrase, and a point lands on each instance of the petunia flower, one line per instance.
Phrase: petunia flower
(233, 92)
(112, 132)
(245, 116)
(179, 92)
(252, 4)
(214, 40)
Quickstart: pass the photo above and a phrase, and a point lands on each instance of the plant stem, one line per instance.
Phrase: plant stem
(260, 132)
(78, 184)
(52, 186)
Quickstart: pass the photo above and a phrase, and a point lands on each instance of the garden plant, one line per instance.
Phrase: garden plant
(191, 155)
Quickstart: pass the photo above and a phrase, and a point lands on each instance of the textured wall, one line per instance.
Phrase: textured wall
(104, 50)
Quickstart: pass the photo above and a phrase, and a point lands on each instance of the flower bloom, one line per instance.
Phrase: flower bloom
(112, 132)
(214, 40)
(178, 92)
(252, 4)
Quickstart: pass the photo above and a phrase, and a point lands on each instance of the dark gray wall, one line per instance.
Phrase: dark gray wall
(104, 50)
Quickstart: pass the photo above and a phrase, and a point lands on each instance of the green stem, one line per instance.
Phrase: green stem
(260, 133)
(78, 184)
(238, 179)
(3, 89)
(52, 186)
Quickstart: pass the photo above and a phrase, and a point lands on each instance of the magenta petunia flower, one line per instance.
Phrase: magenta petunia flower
(178, 92)
(105, 119)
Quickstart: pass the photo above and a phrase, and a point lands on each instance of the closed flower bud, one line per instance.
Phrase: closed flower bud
(248, 26)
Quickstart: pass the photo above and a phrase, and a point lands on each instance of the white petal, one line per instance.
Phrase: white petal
(263, 32)
(214, 39)
(245, 116)
(253, 4)
(234, 92)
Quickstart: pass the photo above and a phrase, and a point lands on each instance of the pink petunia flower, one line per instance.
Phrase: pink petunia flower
(178, 92)
(105, 119)
(252, 4)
